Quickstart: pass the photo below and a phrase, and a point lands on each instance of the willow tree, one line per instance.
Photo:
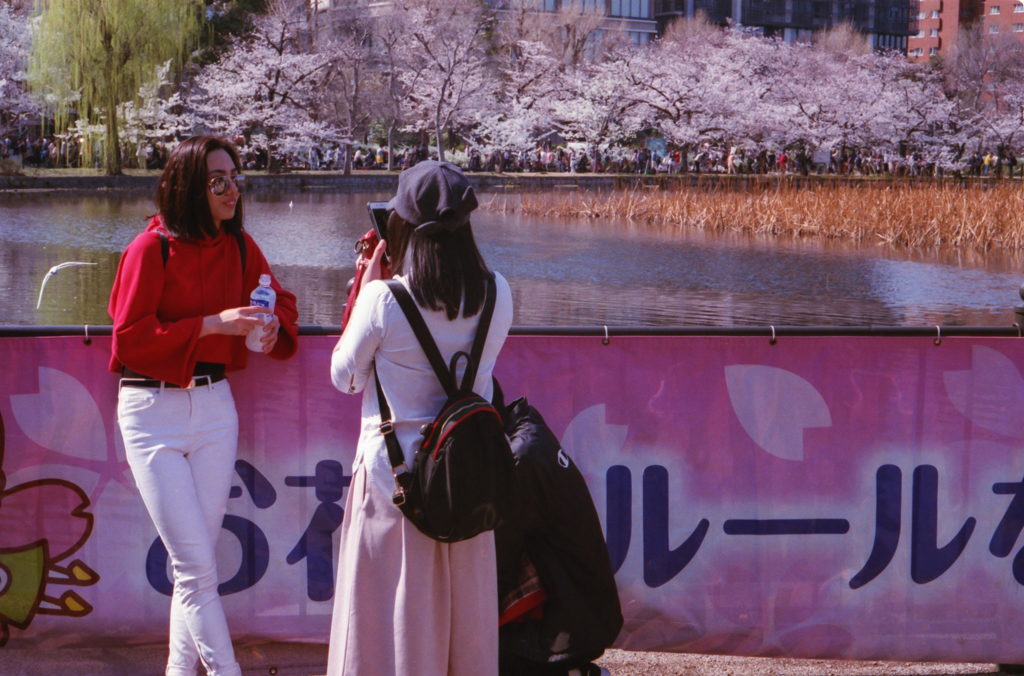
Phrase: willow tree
(91, 55)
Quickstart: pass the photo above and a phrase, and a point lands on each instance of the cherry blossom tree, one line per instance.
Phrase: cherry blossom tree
(353, 90)
(598, 105)
(268, 85)
(15, 42)
(391, 38)
(529, 83)
(985, 74)
(505, 75)
(157, 113)
(448, 75)
(702, 84)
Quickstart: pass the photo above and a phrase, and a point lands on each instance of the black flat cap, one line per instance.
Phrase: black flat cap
(434, 196)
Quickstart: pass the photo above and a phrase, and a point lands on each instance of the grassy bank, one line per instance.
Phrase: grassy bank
(939, 214)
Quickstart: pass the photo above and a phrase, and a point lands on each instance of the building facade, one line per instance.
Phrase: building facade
(888, 23)
(633, 18)
(1003, 17)
(938, 22)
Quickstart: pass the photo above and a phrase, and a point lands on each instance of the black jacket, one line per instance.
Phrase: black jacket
(557, 525)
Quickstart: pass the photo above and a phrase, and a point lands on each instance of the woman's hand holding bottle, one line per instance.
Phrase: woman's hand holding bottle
(236, 321)
(269, 338)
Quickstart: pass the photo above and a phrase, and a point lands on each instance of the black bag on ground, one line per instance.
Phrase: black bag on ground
(462, 481)
(556, 525)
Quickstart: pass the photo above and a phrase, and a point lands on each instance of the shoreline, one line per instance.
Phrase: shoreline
(980, 216)
(59, 180)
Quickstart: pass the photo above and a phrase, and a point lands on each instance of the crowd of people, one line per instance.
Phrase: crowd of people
(69, 151)
(707, 158)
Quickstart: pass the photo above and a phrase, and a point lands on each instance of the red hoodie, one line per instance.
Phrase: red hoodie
(158, 310)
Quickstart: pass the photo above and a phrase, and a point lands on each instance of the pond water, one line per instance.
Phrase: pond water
(562, 272)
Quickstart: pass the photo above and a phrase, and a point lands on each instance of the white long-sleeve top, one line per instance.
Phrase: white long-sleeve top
(379, 332)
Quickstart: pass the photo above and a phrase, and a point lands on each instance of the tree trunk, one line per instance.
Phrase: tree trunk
(113, 150)
(391, 145)
(440, 137)
(273, 161)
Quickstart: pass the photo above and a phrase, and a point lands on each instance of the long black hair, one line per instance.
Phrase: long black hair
(181, 194)
(445, 269)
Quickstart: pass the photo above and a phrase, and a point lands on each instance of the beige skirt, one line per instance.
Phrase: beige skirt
(406, 605)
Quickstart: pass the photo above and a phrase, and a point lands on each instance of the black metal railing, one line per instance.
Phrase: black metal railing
(611, 331)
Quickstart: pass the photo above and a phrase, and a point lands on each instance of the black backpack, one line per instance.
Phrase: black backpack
(556, 525)
(462, 479)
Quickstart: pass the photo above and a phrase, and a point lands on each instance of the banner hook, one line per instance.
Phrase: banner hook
(772, 341)
(606, 340)
(938, 335)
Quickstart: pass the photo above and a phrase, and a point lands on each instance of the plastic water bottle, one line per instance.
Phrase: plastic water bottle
(262, 296)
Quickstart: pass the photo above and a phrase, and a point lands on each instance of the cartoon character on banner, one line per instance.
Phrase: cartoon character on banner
(42, 524)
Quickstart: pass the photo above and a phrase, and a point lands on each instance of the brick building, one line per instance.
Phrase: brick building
(938, 22)
(1003, 17)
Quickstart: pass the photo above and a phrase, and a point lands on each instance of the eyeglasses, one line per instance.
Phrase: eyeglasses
(219, 185)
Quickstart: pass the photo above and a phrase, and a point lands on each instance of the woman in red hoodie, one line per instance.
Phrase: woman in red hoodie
(181, 315)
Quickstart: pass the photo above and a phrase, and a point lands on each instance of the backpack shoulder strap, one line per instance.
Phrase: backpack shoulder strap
(165, 247)
(426, 341)
(395, 455)
(481, 337)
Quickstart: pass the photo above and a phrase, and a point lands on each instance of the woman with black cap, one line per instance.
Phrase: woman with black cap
(405, 603)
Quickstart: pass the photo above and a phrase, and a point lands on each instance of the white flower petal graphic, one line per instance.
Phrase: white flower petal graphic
(63, 417)
(990, 394)
(593, 444)
(775, 406)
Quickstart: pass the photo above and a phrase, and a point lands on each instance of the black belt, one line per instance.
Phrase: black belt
(204, 373)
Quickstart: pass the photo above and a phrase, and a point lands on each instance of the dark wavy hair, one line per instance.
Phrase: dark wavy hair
(445, 269)
(181, 195)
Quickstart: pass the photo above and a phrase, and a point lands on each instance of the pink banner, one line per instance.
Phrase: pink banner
(822, 497)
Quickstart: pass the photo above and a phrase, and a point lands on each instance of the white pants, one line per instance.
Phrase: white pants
(181, 446)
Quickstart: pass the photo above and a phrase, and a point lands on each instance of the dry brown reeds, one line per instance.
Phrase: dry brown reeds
(931, 215)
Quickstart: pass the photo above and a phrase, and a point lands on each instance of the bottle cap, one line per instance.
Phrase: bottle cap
(264, 280)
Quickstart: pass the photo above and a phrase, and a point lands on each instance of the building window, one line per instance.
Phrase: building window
(994, 10)
(935, 14)
(932, 51)
(917, 52)
(933, 33)
(922, 15)
(993, 29)
(550, 5)
(631, 9)
(1018, 28)
(1018, 8)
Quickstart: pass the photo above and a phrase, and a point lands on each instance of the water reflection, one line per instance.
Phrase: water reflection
(563, 272)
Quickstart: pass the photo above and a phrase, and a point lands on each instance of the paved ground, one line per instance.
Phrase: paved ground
(308, 660)
(624, 663)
